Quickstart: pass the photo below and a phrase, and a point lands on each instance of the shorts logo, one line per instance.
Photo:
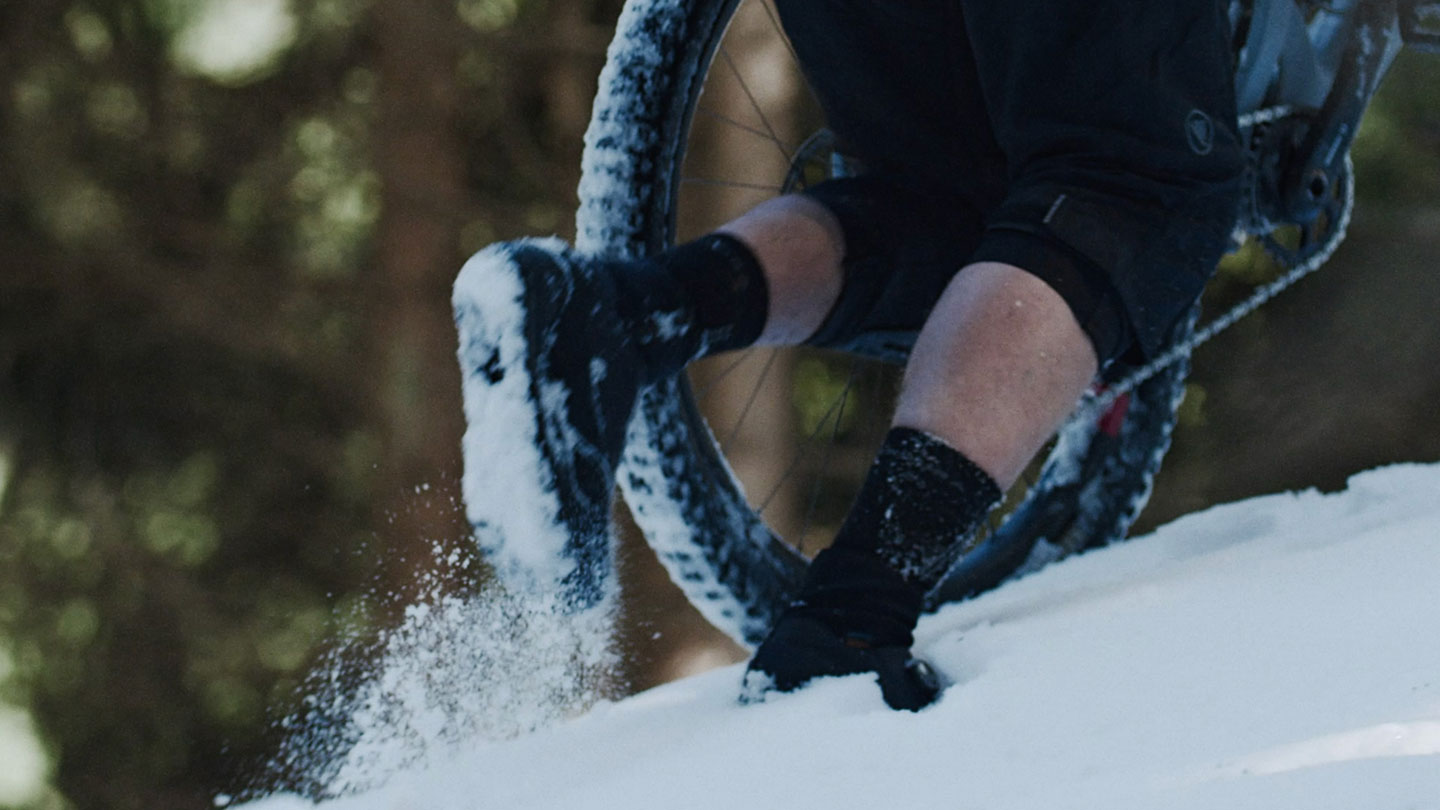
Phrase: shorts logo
(1200, 131)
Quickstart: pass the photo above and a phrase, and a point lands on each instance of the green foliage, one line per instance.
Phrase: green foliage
(1397, 150)
(198, 479)
(489, 15)
(166, 563)
(336, 203)
(820, 392)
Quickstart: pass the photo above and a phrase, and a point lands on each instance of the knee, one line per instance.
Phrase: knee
(1130, 263)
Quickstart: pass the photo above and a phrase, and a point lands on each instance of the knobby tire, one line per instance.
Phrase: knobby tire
(673, 476)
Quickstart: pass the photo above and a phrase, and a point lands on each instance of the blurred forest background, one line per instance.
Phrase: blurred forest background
(229, 409)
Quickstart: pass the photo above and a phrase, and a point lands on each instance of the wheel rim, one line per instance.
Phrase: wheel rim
(731, 567)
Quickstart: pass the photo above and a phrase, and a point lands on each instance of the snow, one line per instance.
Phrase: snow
(1274, 653)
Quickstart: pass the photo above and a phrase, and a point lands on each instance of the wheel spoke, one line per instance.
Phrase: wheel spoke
(800, 454)
(714, 381)
(772, 135)
(810, 508)
(779, 29)
(701, 181)
(750, 401)
(742, 126)
(780, 32)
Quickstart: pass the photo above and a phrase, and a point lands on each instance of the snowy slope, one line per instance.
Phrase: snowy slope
(1282, 652)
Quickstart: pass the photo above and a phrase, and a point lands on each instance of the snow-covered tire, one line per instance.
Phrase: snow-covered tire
(673, 476)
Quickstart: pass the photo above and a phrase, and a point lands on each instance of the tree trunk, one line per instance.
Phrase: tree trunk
(419, 160)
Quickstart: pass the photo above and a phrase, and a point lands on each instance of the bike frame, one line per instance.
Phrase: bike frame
(1322, 63)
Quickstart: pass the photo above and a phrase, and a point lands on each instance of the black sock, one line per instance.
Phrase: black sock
(694, 300)
(914, 517)
(918, 508)
(861, 598)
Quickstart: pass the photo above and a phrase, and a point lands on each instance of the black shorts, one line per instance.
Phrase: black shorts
(1092, 144)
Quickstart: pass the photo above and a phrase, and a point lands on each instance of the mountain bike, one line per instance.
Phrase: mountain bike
(1304, 74)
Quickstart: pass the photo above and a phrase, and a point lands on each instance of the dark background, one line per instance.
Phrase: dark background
(229, 412)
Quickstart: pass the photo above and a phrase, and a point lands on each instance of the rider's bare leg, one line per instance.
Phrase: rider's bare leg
(799, 244)
(1001, 360)
(1000, 363)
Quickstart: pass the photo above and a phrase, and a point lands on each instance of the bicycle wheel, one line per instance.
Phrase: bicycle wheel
(674, 476)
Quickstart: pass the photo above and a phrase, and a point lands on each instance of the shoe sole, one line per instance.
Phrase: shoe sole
(510, 485)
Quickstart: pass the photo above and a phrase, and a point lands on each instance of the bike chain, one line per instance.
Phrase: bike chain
(1099, 402)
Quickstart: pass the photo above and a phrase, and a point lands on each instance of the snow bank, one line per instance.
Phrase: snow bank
(1275, 653)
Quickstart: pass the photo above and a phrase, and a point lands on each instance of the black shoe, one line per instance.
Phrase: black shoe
(854, 615)
(540, 323)
(801, 649)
